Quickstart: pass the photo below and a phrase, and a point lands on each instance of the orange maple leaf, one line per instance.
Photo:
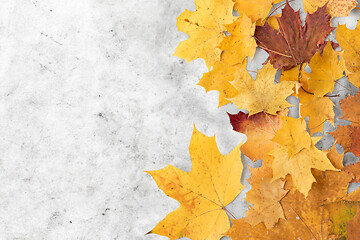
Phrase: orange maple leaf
(265, 195)
(259, 129)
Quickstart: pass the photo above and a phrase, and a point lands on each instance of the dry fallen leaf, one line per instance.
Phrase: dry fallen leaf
(325, 70)
(322, 215)
(336, 8)
(353, 227)
(236, 48)
(296, 75)
(349, 138)
(296, 155)
(265, 195)
(259, 129)
(257, 10)
(294, 44)
(261, 95)
(349, 42)
(293, 135)
(354, 171)
(241, 42)
(212, 183)
(318, 109)
(335, 158)
(206, 29)
(299, 165)
(219, 79)
(351, 110)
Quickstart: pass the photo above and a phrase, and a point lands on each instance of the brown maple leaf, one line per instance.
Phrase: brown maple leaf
(294, 44)
(351, 110)
(348, 137)
(354, 171)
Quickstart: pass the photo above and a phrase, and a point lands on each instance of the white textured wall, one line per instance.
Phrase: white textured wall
(90, 96)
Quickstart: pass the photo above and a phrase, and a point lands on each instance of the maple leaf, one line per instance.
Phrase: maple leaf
(335, 158)
(294, 44)
(296, 76)
(236, 47)
(354, 195)
(354, 171)
(212, 183)
(321, 215)
(293, 135)
(325, 70)
(330, 186)
(219, 79)
(296, 155)
(349, 42)
(319, 110)
(265, 195)
(353, 227)
(336, 8)
(349, 138)
(351, 110)
(241, 42)
(206, 28)
(261, 95)
(299, 166)
(257, 10)
(259, 129)
(340, 215)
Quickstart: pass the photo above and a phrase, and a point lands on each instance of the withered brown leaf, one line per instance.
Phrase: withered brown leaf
(294, 44)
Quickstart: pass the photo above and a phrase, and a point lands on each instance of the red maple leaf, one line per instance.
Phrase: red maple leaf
(294, 44)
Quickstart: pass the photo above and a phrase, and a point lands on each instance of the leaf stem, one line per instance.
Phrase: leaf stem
(233, 217)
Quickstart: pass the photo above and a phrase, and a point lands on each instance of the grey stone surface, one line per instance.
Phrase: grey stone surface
(90, 97)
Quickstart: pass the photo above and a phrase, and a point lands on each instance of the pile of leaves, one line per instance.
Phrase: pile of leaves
(300, 191)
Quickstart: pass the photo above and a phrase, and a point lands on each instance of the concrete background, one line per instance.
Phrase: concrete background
(91, 97)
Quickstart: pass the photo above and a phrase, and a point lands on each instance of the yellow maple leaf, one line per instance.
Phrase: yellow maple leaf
(261, 95)
(212, 183)
(219, 79)
(299, 165)
(237, 47)
(296, 155)
(272, 21)
(349, 43)
(241, 42)
(318, 109)
(336, 8)
(257, 9)
(296, 75)
(325, 70)
(265, 195)
(292, 135)
(206, 29)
